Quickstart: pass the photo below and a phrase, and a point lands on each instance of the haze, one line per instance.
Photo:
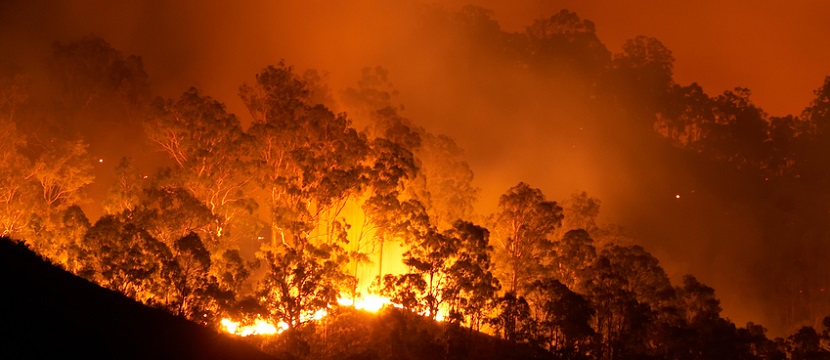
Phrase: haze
(511, 132)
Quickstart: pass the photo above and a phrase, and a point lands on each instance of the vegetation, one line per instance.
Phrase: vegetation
(326, 204)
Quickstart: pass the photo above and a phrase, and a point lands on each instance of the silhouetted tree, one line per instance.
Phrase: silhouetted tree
(641, 76)
(309, 160)
(564, 44)
(575, 254)
(521, 228)
(473, 282)
(512, 320)
(301, 280)
(564, 318)
(120, 255)
(806, 344)
(194, 290)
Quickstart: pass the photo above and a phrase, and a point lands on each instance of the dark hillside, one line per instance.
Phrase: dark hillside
(46, 312)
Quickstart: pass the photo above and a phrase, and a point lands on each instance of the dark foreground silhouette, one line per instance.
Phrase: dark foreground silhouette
(46, 312)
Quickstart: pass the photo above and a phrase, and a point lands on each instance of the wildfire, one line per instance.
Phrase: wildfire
(370, 303)
(259, 327)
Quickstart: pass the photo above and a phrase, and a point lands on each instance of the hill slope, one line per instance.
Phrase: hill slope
(46, 312)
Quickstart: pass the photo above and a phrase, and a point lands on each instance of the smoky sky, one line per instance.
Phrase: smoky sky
(510, 130)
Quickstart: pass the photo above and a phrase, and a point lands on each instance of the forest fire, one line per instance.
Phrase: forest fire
(259, 327)
(371, 303)
(278, 189)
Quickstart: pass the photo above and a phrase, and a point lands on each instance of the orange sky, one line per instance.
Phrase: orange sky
(779, 50)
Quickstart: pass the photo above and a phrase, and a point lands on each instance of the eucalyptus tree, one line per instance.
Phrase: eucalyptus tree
(309, 162)
(211, 156)
(521, 229)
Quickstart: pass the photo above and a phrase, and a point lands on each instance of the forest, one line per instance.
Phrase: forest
(319, 199)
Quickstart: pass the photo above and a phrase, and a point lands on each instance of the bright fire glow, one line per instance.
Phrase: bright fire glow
(371, 303)
(259, 327)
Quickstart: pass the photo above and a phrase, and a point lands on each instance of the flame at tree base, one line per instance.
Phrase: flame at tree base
(370, 303)
(259, 327)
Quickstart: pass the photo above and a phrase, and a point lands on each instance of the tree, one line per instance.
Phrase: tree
(89, 72)
(428, 256)
(644, 278)
(125, 194)
(212, 156)
(444, 182)
(17, 191)
(521, 228)
(390, 168)
(697, 300)
(642, 75)
(565, 317)
(62, 170)
(62, 244)
(301, 281)
(742, 128)
(711, 335)
(565, 44)
(194, 290)
(231, 271)
(620, 319)
(575, 255)
(473, 283)
(784, 134)
(806, 344)
(818, 112)
(580, 211)
(448, 274)
(812, 146)
(14, 92)
(651, 306)
(513, 320)
(374, 92)
(169, 213)
(309, 160)
(687, 117)
(120, 255)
